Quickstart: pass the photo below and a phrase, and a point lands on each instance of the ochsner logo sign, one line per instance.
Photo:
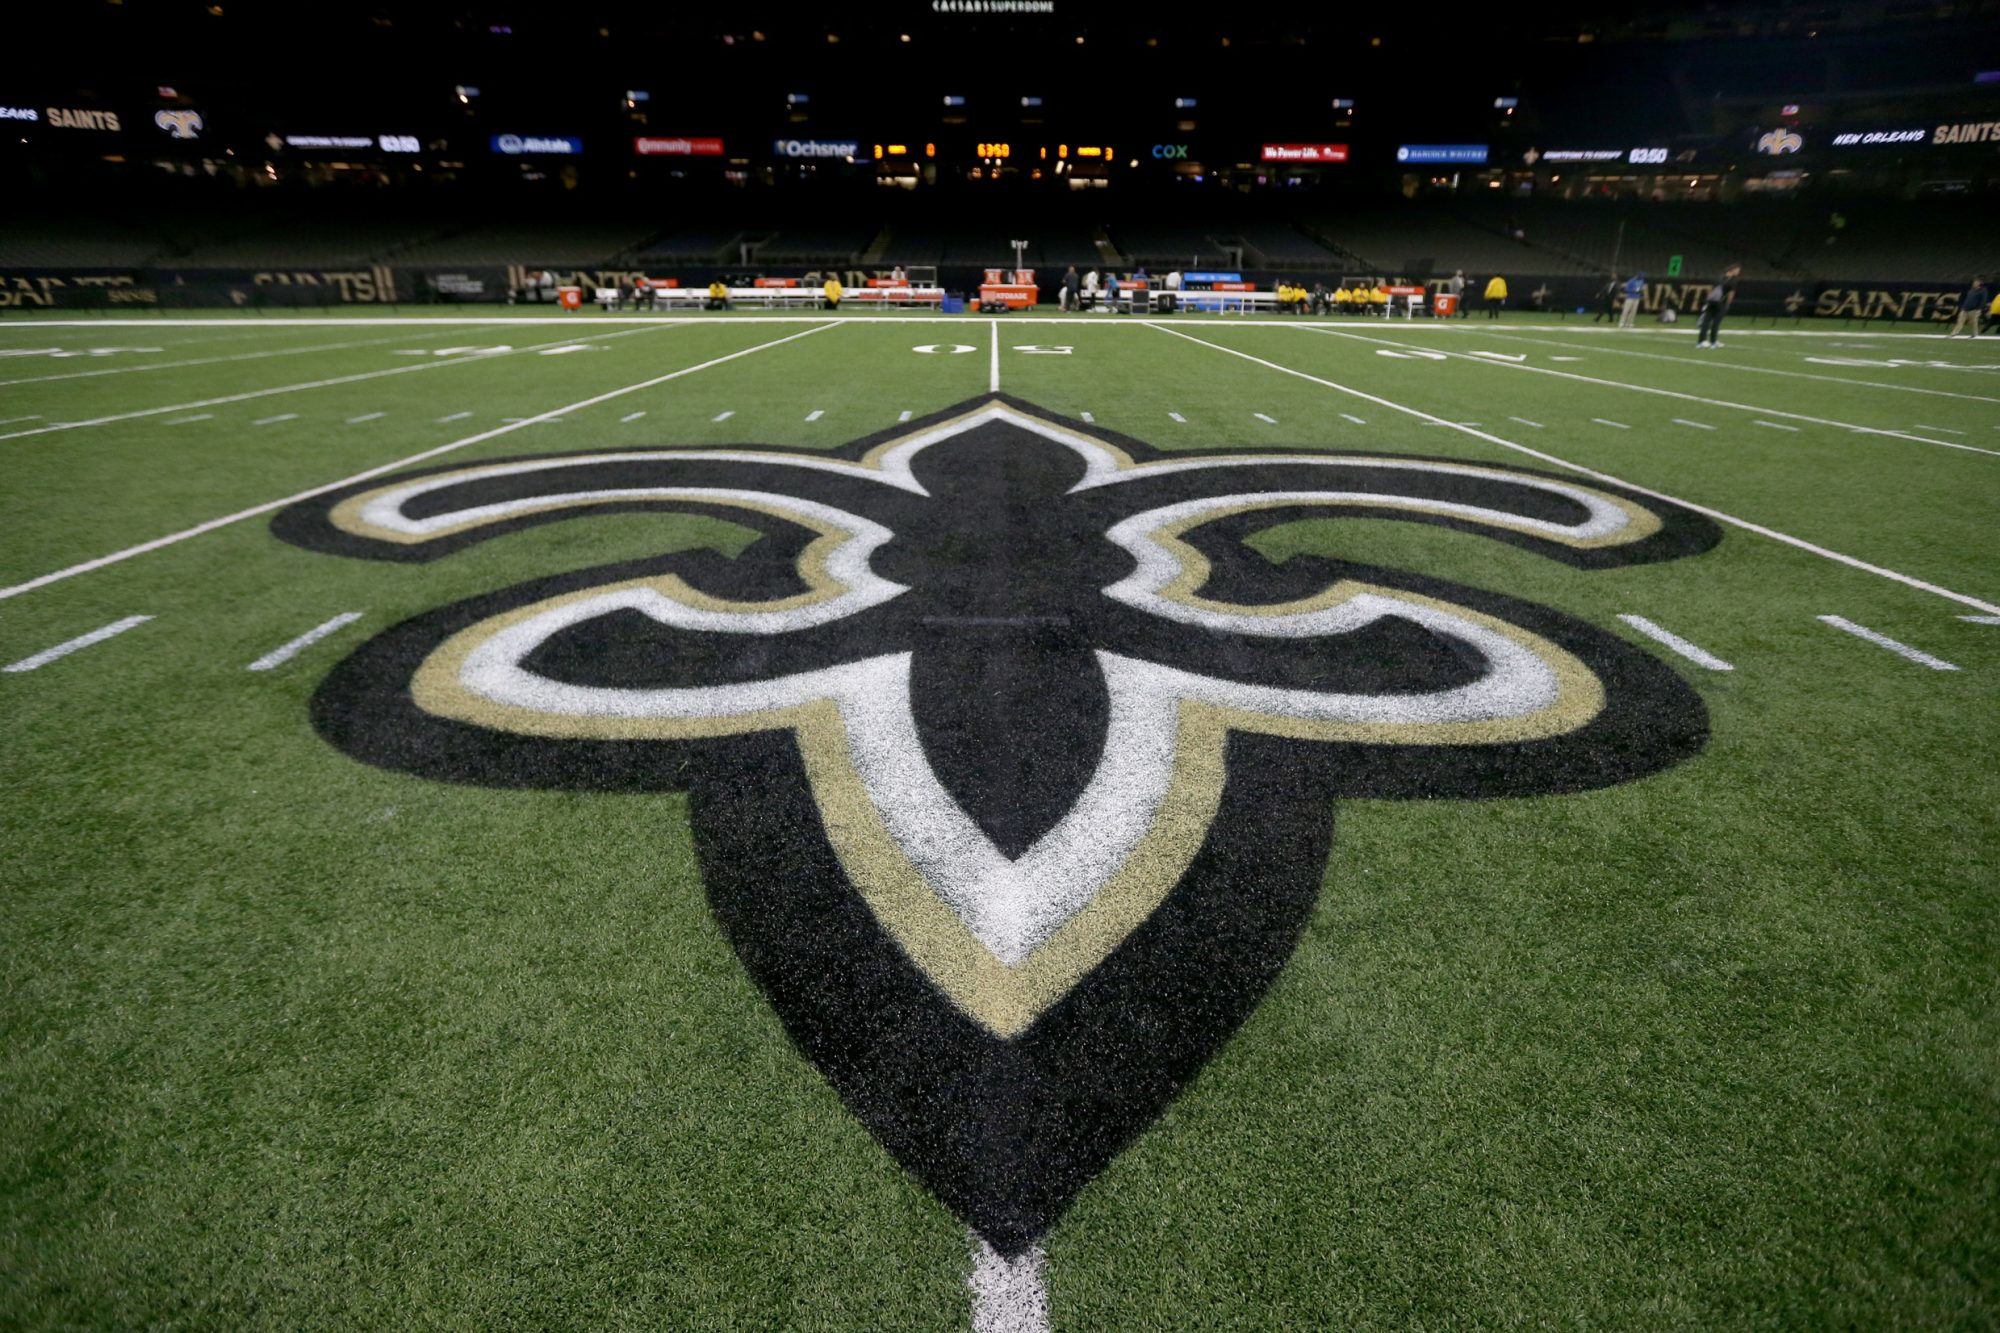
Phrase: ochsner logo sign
(811, 147)
(555, 144)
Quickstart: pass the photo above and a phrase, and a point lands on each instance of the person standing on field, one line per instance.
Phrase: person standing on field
(1720, 297)
(1455, 285)
(1634, 292)
(1067, 300)
(1496, 296)
(1970, 307)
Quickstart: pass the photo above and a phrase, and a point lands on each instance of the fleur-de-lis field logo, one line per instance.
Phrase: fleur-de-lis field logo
(1011, 764)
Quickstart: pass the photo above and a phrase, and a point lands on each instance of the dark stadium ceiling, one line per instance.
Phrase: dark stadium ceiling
(1658, 69)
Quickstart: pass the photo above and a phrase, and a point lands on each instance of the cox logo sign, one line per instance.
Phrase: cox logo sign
(1171, 151)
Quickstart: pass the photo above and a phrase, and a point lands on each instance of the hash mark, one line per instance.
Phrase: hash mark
(1683, 421)
(1525, 422)
(1089, 418)
(272, 421)
(1261, 417)
(1982, 620)
(1943, 430)
(1699, 656)
(365, 416)
(1178, 417)
(631, 416)
(904, 415)
(723, 416)
(815, 414)
(1895, 646)
(1777, 425)
(199, 416)
(64, 649)
(1356, 420)
(279, 656)
(456, 416)
(1615, 425)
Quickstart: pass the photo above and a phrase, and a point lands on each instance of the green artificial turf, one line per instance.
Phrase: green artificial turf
(288, 1041)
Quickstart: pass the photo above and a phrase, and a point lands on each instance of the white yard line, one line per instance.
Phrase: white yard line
(213, 360)
(1615, 425)
(1895, 646)
(1699, 656)
(1714, 363)
(1716, 514)
(1683, 421)
(1669, 393)
(272, 421)
(1008, 1295)
(48, 655)
(296, 388)
(241, 514)
(1525, 422)
(366, 416)
(993, 371)
(281, 655)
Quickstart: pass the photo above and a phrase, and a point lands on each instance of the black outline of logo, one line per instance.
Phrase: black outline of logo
(1006, 1129)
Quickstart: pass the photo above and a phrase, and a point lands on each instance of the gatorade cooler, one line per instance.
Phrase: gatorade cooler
(1446, 306)
(570, 298)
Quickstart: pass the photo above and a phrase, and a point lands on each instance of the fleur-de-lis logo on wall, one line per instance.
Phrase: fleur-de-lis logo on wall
(1011, 762)
(179, 124)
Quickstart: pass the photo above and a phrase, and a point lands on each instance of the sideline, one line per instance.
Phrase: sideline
(241, 514)
(251, 394)
(1716, 514)
(1676, 393)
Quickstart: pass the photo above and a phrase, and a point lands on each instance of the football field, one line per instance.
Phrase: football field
(927, 822)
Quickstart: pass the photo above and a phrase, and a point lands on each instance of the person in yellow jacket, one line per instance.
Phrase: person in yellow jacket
(1496, 296)
(833, 293)
(718, 295)
(1378, 300)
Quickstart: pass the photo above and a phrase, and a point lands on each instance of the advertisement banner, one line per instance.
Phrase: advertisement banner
(810, 148)
(1307, 153)
(548, 145)
(679, 147)
(1461, 154)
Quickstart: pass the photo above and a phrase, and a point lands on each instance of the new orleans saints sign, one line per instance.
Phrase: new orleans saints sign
(1011, 765)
